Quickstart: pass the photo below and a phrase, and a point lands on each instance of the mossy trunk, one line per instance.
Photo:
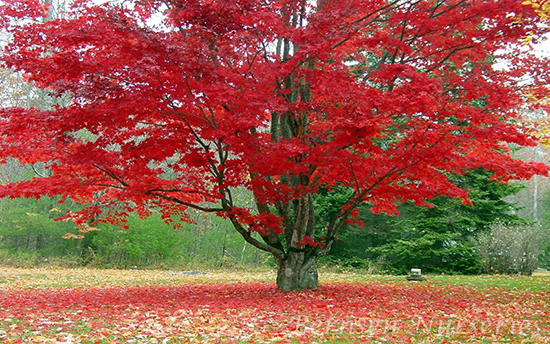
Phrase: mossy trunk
(297, 272)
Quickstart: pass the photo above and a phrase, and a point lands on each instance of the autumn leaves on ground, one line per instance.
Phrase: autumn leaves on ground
(109, 306)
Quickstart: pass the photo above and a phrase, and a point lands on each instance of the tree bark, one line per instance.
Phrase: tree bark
(297, 272)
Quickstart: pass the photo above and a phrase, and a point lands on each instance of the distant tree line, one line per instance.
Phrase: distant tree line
(445, 237)
(30, 237)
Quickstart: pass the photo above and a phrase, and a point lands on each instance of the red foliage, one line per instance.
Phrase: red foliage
(384, 98)
(257, 312)
(308, 241)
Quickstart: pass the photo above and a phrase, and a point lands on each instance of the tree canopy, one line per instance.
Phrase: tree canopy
(178, 103)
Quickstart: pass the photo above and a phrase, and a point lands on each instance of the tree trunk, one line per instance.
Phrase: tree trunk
(297, 272)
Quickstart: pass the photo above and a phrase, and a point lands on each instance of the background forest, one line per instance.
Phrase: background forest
(495, 235)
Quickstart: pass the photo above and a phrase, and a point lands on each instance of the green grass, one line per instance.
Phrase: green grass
(531, 283)
(68, 278)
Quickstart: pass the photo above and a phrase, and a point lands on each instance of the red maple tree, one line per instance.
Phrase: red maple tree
(178, 103)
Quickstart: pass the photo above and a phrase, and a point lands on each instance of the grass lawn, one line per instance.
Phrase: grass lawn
(122, 306)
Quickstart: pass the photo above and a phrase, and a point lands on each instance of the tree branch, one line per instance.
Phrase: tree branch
(111, 174)
(277, 253)
(187, 204)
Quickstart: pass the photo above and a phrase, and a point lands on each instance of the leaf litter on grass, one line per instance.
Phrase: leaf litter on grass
(203, 308)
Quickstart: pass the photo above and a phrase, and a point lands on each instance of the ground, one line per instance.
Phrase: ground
(110, 306)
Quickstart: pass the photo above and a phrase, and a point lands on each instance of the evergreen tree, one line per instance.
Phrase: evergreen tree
(436, 238)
